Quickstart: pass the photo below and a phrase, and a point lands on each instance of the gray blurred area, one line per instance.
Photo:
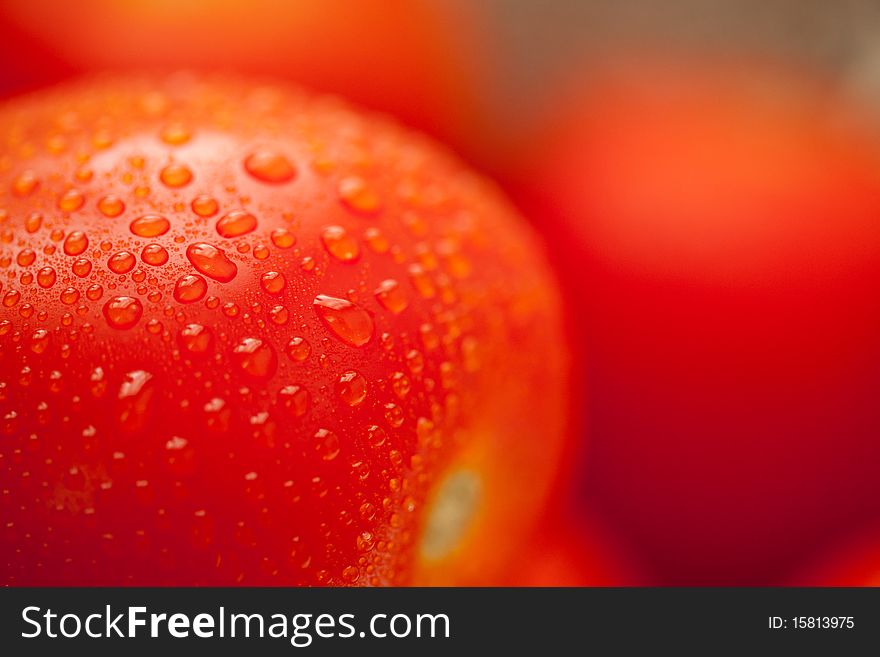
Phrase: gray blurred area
(538, 40)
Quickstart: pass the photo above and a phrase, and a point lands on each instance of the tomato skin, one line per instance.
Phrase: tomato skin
(718, 228)
(569, 548)
(854, 561)
(246, 335)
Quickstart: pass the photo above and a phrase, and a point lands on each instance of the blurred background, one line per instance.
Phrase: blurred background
(706, 177)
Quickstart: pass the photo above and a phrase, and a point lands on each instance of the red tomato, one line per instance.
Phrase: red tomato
(570, 550)
(854, 562)
(415, 59)
(720, 229)
(251, 336)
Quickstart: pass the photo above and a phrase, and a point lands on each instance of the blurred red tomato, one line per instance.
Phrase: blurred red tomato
(720, 230)
(413, 58)
(570, 550)
(853, 562)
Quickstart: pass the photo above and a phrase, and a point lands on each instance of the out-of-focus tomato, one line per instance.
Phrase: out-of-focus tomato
(250, 335)
(413, 58)
(720, 230)
(569, 549)
(853, 562)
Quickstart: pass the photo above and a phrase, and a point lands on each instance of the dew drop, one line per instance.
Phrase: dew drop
(415, 361)
(279, 314)
(327, 444)
(150, 225)
(294, 400)
(350, 323)
(195, 338)
(357, 195)
(351, 388)
(269, 167)
(283, 238)
(391, 296)
(26, 257)
(39, 341)
(422, 281)
(175, 175)
(94, 292)
(340, 244)
(33, 222)
(298, 349)
(25, 183)
(46, 277)
(351, 574)
(175, 134)
(82, 267)
(376, 435)
(69, 296)
(393, 415)
(400, 384)
(236, 224)
(135, 395)
(205, 206)
(11, 298)
(123, 312)
(272, 282)
(154, 254)
(111, 206)
(71, 200)
(189, 288)
(122, 262)
(256, 357)
(76, 243)
(211, 261)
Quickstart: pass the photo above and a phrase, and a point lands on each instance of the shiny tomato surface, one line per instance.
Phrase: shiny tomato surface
(249, 335)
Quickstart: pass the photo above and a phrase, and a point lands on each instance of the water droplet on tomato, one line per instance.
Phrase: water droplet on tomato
(121, 262)
(46, 277)
(272, 282)
(298, 349)
(350, 323)
(236, 224)
(357, 195)
(205, 206)
(269, 167)
(26, 257)
(82, 267)
(340, 244)
(294, 400)
(256, 357)
(327, 444)
(195, 338)
(175, 134)
(76, 243)
(39, 341)
(175, 175)
(111, 206)
(150, 225)
(123, 312)
(189, 288)
(391, 296)
(283, 238)
(154, 254)
(211, 261)
(351, 388)
(71, 200)
(69, 296)
(25, 183)
(400, 384)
